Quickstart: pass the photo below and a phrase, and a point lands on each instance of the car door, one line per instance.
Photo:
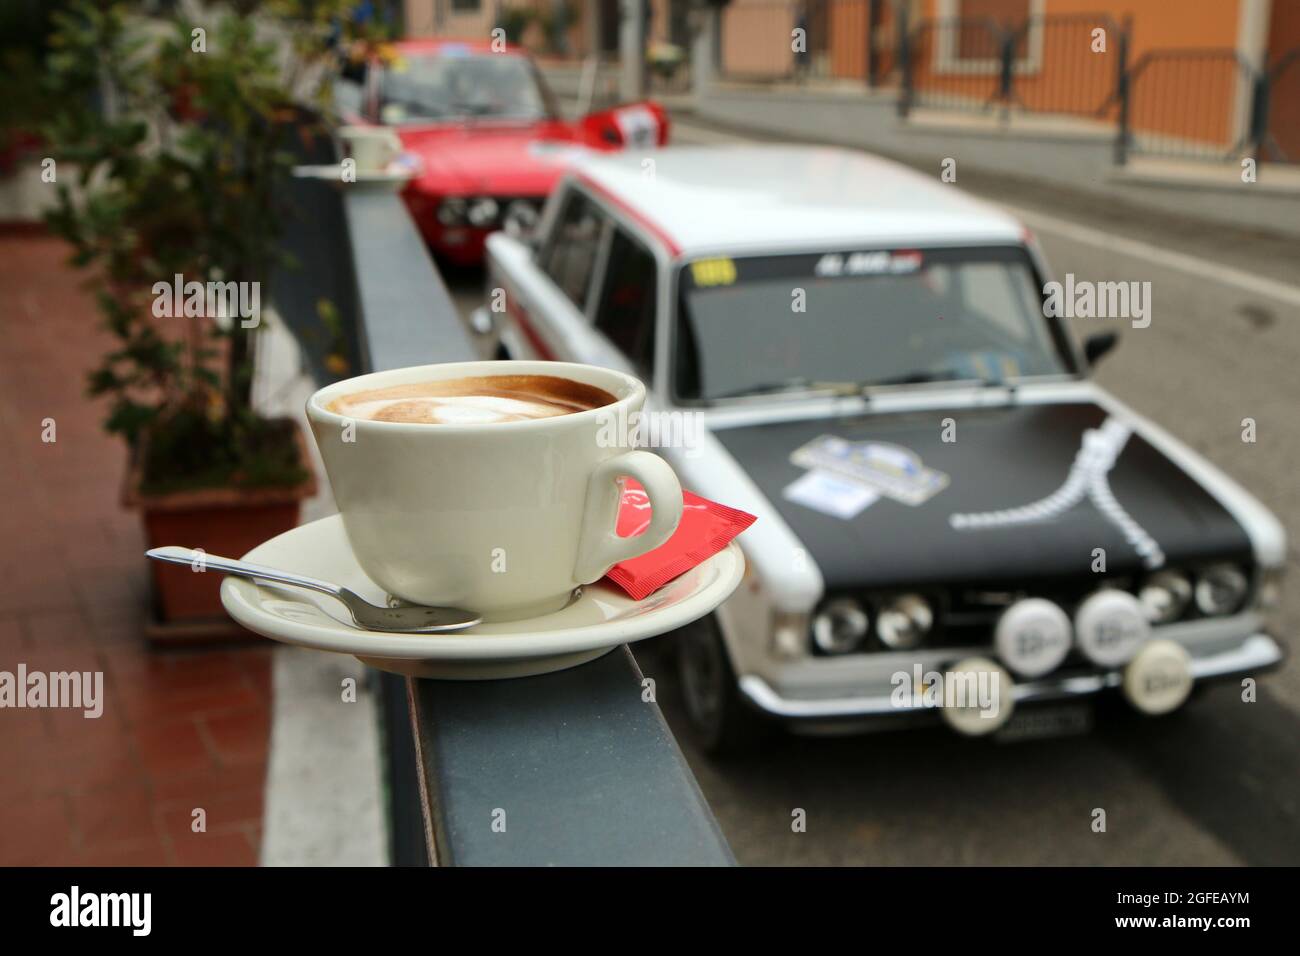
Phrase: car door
(626, 302)
(548, 291)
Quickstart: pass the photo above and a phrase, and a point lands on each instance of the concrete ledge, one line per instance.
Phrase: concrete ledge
(826, 90)
(993, 125)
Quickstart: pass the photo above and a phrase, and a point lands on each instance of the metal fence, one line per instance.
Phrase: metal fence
(1047, 63)
(955, 63)
(1179, 103)
(1211, 104)
(1062, 65)
(1188, 103)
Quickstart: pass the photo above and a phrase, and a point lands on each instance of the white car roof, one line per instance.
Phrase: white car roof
(747, 199)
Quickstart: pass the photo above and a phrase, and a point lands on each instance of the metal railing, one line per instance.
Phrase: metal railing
(1185, 103)
(955, 63)
(1058, 66)
(1046, 63)
(1182, 103)
(587, 771)
(1211, 104)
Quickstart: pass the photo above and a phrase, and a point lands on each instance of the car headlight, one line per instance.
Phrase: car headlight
(904, 622)
(1165, 596)
(451, 212)
(840, 626)
(1221, 589)
(483, 212)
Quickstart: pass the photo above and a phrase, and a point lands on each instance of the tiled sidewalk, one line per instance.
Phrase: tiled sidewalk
(180, 730)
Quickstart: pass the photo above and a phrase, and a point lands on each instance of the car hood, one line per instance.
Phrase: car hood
(999, 459)
(493, 160)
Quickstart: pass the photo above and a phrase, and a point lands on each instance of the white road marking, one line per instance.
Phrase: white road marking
(1178, 261)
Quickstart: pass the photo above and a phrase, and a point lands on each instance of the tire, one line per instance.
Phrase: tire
(502, 353)
(721, 720)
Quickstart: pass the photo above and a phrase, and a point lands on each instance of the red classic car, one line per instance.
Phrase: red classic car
(488, 137)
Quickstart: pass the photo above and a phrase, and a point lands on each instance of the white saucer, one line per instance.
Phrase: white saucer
(392, 180)
(602, 618)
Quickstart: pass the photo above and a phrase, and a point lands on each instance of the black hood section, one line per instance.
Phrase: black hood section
(1002, 458)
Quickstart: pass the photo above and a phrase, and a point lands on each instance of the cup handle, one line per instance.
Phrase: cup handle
(600, 547)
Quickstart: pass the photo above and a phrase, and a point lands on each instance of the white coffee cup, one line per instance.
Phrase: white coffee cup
(372, 147)
(505, 519)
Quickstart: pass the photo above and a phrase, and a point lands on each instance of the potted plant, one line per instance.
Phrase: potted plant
(176, 130)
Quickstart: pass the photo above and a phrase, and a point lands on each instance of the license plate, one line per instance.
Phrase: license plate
(1042, 722)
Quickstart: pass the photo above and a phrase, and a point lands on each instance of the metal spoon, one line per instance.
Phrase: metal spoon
(402, 616)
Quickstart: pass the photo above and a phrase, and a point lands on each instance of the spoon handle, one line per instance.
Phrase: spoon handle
(242, 569)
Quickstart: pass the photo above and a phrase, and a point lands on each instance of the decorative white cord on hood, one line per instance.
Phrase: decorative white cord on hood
(1088, 476)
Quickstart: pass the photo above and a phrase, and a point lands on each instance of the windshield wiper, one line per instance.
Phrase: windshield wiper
(863, 387)
(795, 384)
(917, 378)
(947, 376)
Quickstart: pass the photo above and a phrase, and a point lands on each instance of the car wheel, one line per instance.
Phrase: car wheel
(722, 720)
(502, 353)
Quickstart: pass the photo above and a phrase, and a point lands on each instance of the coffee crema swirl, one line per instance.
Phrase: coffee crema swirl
(477, 400)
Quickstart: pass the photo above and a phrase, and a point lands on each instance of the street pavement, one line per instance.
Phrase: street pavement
(1216, 783)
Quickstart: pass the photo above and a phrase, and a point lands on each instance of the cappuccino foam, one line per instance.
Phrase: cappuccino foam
(479, 400)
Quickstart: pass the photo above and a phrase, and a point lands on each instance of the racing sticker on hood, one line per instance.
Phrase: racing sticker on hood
(889, 470)
(1007, 456)
(830, 494)
(1088, 477)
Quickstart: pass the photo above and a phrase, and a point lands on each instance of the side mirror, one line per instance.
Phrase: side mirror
(1095, 346)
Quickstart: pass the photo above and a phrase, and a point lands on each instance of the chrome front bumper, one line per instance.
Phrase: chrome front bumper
(1257, 652)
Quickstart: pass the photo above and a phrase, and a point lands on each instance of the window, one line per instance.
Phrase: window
(572, 250)
(626, 314)
(456, 88)
(995, 293)
(866, 317)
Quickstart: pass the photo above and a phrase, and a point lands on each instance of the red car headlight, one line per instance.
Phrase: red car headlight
(452, 211)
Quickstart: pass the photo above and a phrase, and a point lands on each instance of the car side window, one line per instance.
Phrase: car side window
(571, 252)
(626, 307)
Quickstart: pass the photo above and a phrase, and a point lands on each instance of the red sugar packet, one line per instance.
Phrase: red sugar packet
(705, 529)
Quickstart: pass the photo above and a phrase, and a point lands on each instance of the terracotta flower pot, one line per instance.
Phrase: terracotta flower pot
(225, 521)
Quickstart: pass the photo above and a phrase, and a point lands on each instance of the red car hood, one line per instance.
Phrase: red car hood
(492, 160)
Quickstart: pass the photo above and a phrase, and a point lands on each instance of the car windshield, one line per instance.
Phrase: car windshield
(853, 319)
(460, 86)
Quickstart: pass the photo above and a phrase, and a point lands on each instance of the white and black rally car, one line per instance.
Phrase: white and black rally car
(941, 490)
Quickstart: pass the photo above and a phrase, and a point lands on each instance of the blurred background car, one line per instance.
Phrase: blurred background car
(487, 138)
